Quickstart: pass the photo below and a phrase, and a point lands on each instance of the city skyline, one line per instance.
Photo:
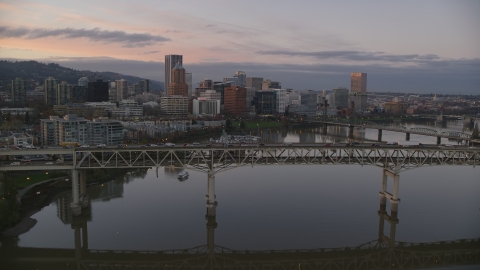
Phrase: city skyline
(427, 47)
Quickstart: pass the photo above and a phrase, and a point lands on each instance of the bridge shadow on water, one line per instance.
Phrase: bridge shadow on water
(381, 253)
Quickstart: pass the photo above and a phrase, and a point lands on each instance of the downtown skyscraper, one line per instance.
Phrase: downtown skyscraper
(170, 61)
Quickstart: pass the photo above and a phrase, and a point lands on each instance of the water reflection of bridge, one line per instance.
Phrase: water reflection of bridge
(382, 253)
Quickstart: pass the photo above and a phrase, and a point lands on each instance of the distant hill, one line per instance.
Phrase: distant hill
(33, 70)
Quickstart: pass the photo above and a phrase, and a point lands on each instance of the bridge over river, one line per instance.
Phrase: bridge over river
(352, 123)
(212, 160)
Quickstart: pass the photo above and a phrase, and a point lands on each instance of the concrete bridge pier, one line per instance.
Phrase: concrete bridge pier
(211, 225)
(211, 203)
(84, 199)
(379, 135)
(390, 218)
(396, 182)
(439, 140)
(325, 129)
(407, 136)
(75, 205)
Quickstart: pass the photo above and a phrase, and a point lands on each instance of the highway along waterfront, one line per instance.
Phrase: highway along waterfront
(300, 216)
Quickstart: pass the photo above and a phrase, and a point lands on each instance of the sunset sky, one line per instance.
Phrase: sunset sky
(408, 46)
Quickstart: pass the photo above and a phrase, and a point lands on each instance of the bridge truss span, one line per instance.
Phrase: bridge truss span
(215, 160)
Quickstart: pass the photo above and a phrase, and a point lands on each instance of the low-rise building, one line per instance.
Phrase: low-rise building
(174, 105)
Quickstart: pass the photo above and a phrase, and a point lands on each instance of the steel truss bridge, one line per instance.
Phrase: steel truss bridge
(421, 131)
(216, 159)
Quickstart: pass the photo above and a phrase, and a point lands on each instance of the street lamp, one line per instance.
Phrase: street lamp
(258, 133)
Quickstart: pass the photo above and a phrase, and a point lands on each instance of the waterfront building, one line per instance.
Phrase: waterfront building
(170, 61)
(264, 102)
(279, 95)
(174, 105)
(104, 131)
(70, 128)
(339, 97)
(205, 107)
(235, 100)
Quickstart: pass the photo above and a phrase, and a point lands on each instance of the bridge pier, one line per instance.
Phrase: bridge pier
(350, 132)
(396, 182)
(84, 199)
(379, 135)
(407, 136)
(325, 129)
(75, 205)
(211, 203)
(439, 140)
(211, 225)
(392, 219)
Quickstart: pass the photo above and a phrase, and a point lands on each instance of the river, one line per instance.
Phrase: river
(273, 207)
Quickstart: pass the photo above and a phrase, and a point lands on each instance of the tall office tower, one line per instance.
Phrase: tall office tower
(63, 93)
(235, 100)
(19, 91)
(122, 89)
(50, 91)
(358, 90)
(170, 61)
(255, 82)
(144, 86)
(83, 81)
(241, 78)
(97, 91)
(188, 80)
(358, 83)
(178, 86)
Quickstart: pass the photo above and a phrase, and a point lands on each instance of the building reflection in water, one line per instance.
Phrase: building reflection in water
(381, 253)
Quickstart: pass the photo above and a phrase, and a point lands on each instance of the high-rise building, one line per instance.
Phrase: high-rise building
(122, 89)
(19, 91)
(264, 102)
(235, 100)
(97, 91)
(188, 80)
(170, 61)
(83, 81)
(255, 82)
(178, 86)
(279, 95)
(241, 78)
(50, 90)
(211, 95)
(250, 94)
(63, 93)
(358, 90)
(144, 86)
(358, 83)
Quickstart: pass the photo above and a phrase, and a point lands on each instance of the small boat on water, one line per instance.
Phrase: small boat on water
(183, 175)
